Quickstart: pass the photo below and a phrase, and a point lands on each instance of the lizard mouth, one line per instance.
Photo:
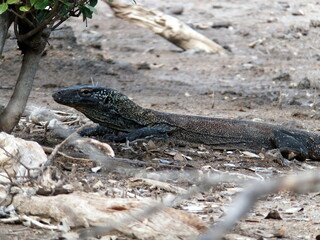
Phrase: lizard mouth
(72, 100)
(57, 96)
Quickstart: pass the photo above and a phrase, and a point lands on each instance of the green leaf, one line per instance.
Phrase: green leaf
(33, 2)
(86, 12)
(41, 4)
(13, 1)
(24, 8)
(92, 9)
(93, 3)
(3, 7)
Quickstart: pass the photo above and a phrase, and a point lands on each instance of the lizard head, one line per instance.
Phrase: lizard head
(105, 106)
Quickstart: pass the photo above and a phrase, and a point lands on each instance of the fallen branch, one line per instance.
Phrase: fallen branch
(166, 26)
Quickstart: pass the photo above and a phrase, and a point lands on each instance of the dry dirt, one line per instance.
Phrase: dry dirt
(271, 74)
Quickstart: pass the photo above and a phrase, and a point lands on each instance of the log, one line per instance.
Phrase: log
(166, 26)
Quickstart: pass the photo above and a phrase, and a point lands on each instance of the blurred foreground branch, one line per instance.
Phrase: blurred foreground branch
(300, 183)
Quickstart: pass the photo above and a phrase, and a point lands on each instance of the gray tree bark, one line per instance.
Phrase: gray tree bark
(13, 111)
(5, 22)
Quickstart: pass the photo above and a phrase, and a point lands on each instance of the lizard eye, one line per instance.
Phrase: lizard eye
(85, 92)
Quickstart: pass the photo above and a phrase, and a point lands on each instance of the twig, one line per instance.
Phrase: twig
(22, 17)
(50, 150)
(53, 12)
(21, 218)
(56, 149)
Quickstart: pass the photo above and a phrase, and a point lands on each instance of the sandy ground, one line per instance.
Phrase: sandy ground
(271, 74)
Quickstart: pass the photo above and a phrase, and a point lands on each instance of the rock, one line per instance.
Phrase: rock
(143, 66)
(297, 12)
(304, 84)
(221, 24)
(98, 185)
(176, 10)
(280, 233)
(315, 23)
(17, 156)
(284, 5)
(273, 214)
(282, 76)
(217, 6)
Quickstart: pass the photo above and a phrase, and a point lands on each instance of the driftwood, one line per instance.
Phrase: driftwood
(166, 26)
(145, 219)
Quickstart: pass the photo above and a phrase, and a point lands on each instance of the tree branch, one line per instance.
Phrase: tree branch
(22, 17)
(51, 15)
(5, 22)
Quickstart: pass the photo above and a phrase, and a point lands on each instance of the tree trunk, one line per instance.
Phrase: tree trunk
(12, 113)
(5, 22)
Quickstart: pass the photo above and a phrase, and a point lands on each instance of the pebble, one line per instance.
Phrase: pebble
(282, 76)
(176, 10)
(297, 12)
(98, 185)
(273, 214)
(304, 84)
(314, 23)
(143, 66)
(221, 24)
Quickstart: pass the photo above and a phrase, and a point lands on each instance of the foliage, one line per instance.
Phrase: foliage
(42, 12)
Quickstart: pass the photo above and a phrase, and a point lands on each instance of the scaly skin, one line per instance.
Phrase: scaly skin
(114, 110)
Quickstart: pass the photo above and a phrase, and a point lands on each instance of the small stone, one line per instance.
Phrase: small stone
(297, 12)
(314, 23)
(221, 24)
(273, 214)
(294, 210)
(178, 157)
(143, 66)
(177, 10)
(283, 76)
(96, 169)
(151, 145)
(217, 6)
(284, 4)
(280, 233)
(250, 154)
(98, 185)
(304, 84)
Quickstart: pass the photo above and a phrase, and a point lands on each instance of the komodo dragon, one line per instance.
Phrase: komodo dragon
(112, 109)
